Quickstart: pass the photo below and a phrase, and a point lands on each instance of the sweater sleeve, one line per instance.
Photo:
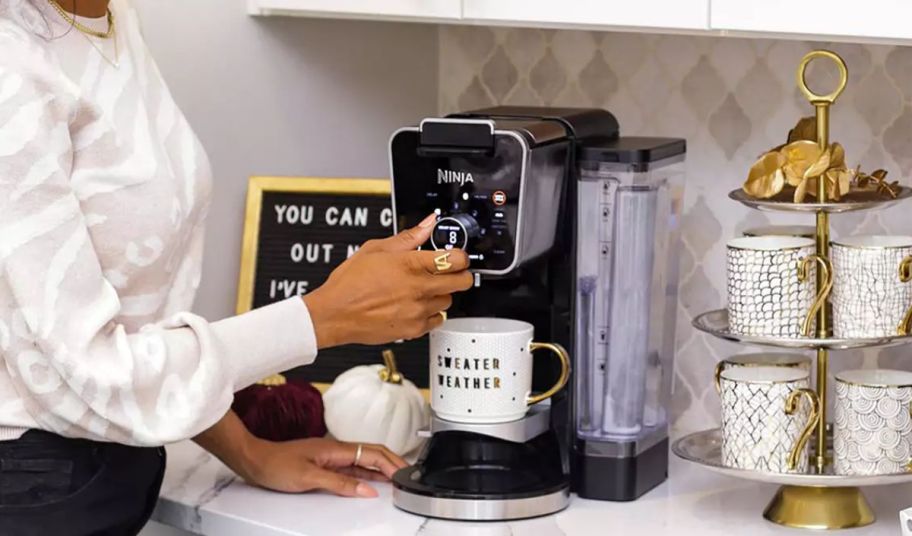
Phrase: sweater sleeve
(76, 369)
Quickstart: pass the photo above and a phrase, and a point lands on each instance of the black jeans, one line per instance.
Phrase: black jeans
(51, 485)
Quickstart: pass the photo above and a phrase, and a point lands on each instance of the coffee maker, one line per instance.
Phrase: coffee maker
(575, 229)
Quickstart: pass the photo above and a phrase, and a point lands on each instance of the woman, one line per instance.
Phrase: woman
(103, 195)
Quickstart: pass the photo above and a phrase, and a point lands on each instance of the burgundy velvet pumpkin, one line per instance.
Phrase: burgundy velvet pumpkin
(280, 409)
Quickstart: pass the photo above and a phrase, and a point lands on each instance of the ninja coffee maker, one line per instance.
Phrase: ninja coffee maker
(572, 228)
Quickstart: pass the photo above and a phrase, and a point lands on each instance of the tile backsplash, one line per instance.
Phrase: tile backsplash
(731, 99)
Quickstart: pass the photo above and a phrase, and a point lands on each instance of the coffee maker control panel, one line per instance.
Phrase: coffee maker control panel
(476, 197)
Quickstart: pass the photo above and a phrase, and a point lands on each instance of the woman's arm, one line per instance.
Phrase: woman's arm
(78, 371)
(299, 465)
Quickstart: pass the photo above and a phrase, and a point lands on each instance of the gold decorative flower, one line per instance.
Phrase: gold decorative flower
(799, 157)
(800, 163)
(876, 181)
(806, 129)
(830, 165)
(765, 178)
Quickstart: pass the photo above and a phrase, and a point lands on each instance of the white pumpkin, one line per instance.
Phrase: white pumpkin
(376, 404)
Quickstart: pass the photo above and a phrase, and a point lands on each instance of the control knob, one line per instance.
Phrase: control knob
(454, 232)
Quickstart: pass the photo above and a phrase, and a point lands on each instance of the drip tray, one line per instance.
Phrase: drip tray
(478, 493)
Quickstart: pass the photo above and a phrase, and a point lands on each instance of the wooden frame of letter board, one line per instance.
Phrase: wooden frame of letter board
(253, 214)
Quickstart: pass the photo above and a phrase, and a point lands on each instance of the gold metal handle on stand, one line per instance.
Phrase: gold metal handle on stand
(831, 97)
(804, 271)
(564, 357)
(821, 105)
(791, 406)
(905, 275)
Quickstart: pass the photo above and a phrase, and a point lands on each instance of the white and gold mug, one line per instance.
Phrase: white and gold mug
(761, 359)
(481, 369)
(872, 286)
(771, 288)
(765, 427)
(872, 432)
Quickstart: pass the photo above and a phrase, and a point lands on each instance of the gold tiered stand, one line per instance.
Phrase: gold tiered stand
(818, 499)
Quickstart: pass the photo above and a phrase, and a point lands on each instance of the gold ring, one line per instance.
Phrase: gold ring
(358, 454)
(443, 315)
(442, 262)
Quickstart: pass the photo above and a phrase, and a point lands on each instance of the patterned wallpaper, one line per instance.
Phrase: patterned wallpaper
(731, 99)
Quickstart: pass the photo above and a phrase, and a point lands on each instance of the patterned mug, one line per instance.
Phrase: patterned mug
(760, 359)
(481, 369)
(771, 289)
(873, 426)
(764, 426)
(872, 286)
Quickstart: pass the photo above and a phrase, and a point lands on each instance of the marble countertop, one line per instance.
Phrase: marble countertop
(201, 495)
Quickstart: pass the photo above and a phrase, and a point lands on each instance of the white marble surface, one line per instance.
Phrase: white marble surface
(203, 496)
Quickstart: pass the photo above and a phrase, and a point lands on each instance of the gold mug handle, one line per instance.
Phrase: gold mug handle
(905, 275)
(791, 405)
(564, 357)
(804, 272)
(717, 376)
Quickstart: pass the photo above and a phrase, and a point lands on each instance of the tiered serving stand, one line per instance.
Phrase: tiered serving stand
(818, 499)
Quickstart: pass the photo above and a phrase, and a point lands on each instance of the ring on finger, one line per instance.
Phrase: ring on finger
(358, 452)
(442, 262)
(443, 315)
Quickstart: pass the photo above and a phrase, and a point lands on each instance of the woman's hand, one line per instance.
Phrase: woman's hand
(319, 464)
(387, 291)
(299, 465)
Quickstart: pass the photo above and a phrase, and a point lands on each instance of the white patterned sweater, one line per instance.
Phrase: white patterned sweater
(103, 195)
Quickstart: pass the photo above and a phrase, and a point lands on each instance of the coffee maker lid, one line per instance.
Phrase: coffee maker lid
(631, 149)
(579, 123)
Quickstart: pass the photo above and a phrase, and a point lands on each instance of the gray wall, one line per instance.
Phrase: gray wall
(281, 96)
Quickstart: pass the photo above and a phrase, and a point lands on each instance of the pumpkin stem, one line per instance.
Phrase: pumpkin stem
(390, 373)
(272, 381)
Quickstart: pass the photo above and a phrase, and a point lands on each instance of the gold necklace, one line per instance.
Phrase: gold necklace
(88, 33)
(81, 27)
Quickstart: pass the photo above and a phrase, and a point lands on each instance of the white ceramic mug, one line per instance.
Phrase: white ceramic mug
(764, 425)
(481, 369)
(872, 286)
(872, 425)
(771, 288)
(761, 359)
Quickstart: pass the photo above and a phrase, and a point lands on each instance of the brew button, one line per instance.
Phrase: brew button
(499, 198)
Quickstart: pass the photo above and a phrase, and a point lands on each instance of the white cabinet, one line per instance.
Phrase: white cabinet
(597, 14)
(840, 20)
(402, 10)
(843, 19)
